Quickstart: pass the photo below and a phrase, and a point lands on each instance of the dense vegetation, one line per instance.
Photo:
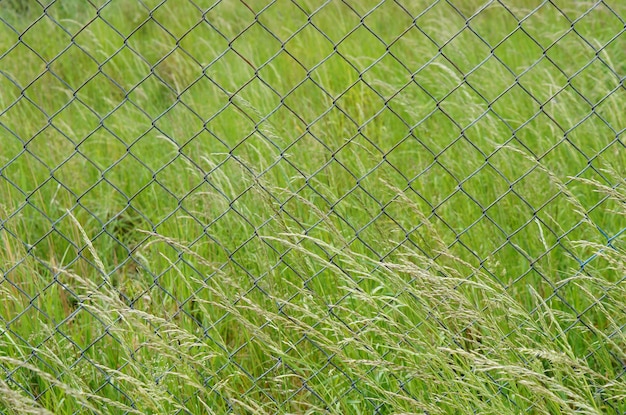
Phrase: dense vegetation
(307, 207)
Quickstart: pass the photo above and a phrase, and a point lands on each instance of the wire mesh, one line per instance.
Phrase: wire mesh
(239, 176)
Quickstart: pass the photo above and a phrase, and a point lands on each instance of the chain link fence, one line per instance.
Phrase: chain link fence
(300, 206)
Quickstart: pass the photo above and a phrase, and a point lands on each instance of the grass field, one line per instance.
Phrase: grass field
(312, 207)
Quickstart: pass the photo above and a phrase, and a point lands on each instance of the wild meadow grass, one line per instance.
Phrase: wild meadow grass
(312, 207)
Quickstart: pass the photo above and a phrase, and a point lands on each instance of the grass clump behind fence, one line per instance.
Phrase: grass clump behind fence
(301, 208)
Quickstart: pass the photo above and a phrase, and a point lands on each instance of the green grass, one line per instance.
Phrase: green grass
(301, 207)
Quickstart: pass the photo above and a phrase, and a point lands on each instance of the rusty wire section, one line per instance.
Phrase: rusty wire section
(197, 133)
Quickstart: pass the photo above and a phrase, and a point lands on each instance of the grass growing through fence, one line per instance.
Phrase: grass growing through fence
(299, 207)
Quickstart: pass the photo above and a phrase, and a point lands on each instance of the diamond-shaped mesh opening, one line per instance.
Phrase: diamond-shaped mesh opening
(13, 16)
(405, 46)
(101, 94)
(425, 17)
(203, 42)
(222, 71)
(474, 160)
(61, 12)
(494, 24)
(75, 120)
(325, 21)
(147, 194)
(308, 95)
(126, 225)
(468, 56)
(311, 37)
(117, 174)
(122, 17)
(537, 187)
(383, 183)
(51, 199)
(411, 103)
(283, 18)
(509, 264)
(23, 109)
(87, 39)
(604, 136)
(297, 213)
(151, 31)
(510, 202)
(560, 53)
(516, 106)
(386, 130)
(55, 38)
(545, 70)
(612, 24)
(605, 215)
(204, 143)
(171, 123)
(612, 49)
(606, 110)
(102, 158)
(220, 16)
(436, 173)
(578, 108)
(349, 46)
(11, 91)
(554, 159)
(153, 95)
(438, 78)
(256, 44)
(459, 200)
(39, 173)
(50, 147)
(376, 17)
(122, 61)
(283, 72)
(436, 131)
(28, 320)
(608, 158)
(167, 14)
(546, 13)
(282, 126)
(332, 181)
(20, 283)
(230, 126)
(538, 133)
(518, 51)
(484, 248)
(349, 204)
(256, 99)
(310, 153)
(51, 91)
(464, 96)
(177, 177)
(499, 75)
(204, 98)
(501, 161)
(62, 67)
(230, 230)
(371, 155)
(605, 82)
(335, 85)
(387, 66)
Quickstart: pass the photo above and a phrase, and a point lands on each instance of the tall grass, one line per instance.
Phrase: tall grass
(306, 207)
